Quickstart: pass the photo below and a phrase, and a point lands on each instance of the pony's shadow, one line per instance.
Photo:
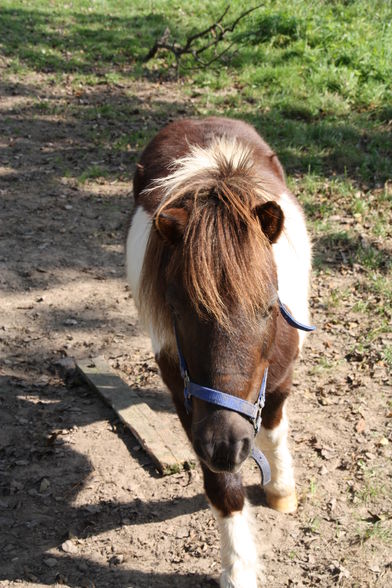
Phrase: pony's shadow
(256, 495)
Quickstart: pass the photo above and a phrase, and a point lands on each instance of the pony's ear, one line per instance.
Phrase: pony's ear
(171, 224)
(271, 219)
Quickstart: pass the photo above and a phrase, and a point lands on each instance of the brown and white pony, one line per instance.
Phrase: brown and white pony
(215, 237)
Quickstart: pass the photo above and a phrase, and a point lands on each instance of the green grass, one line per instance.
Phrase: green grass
(314, 77)
(387, 355)
(378, 530)
(92, 173)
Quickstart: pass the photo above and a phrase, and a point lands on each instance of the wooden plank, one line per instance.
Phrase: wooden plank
(169, 453)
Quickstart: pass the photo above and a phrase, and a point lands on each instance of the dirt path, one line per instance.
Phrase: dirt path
(80, 504)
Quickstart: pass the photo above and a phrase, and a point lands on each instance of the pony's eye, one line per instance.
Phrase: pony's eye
(269, 310)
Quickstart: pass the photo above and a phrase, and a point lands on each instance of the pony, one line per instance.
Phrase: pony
(218, 260)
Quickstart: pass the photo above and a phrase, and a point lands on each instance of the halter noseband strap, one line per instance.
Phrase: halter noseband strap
(243, 407)
(247, 409)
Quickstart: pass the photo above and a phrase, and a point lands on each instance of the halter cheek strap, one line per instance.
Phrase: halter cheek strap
(288, 317)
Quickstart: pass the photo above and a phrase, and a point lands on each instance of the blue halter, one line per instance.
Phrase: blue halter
(250, 410)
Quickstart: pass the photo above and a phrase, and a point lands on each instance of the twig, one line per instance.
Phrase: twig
(216, 29)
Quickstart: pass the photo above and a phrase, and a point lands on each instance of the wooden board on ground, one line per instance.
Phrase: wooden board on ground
(169, 453)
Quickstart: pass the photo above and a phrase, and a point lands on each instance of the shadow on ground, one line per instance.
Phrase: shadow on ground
(39, 518)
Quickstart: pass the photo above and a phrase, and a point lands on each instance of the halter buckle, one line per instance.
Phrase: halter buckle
(258, 419)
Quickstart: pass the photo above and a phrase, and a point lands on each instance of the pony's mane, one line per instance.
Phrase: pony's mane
(223, 257)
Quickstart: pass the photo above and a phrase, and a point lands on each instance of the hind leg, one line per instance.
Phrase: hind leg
(240, 567)
(272, 440)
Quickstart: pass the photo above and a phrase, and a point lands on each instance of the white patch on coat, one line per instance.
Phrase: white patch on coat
(240, 566)
(136, 245)
(273, 443)
(292, 254)
(137, 240)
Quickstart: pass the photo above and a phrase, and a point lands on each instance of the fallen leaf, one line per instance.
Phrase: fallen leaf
(360, 427)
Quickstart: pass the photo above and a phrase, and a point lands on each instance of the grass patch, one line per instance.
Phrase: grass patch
(314, 78)
(387, 356)
(380, 530)
(92, 173)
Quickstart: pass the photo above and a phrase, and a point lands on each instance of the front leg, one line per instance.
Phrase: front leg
(272, 440)
(238, 550)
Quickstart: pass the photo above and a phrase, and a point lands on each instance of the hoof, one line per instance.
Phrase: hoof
(284, 504)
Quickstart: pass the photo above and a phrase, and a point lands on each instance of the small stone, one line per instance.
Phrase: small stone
(182, 533)
(65, 363)
(383, 442)
(70, 322)
(44, 485)
(326, 454)
(50, 562)
(93, 508)
(69, 547)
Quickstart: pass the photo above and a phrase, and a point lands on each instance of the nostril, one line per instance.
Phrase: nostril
(242, 450)
(222, 453)
(203, 449)
(231, 454)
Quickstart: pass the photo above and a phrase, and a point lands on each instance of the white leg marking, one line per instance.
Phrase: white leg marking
(238, 550)
(292, 254)
(273, 443)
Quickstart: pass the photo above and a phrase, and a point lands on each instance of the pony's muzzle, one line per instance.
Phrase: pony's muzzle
(223, 441)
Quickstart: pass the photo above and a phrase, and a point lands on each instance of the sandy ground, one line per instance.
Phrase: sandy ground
(80, 502)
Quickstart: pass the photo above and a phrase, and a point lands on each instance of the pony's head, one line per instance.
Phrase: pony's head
(209, 271)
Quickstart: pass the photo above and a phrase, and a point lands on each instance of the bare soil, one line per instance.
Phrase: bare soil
(80, 502)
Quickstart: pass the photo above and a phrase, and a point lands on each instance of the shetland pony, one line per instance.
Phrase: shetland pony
(215, 240)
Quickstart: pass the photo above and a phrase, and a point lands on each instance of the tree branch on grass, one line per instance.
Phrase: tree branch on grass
(213, 34)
